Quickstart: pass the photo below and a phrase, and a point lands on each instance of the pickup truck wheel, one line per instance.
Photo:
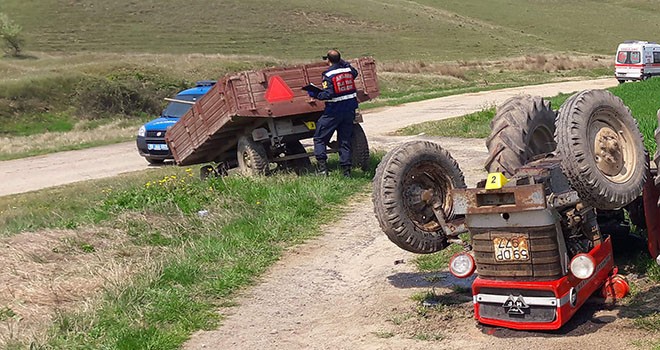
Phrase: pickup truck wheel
(522, 128)
(299, 165)
(601, 149)
(359, 148)
(154, 161)
(408, 180)
(252, 157)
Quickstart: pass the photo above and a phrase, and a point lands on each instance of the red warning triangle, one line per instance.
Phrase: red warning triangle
(278, 90)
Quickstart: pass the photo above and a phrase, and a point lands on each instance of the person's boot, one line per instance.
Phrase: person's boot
(322, 168)
(346, 170)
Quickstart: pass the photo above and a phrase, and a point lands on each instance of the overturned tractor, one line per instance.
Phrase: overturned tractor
(541, 224)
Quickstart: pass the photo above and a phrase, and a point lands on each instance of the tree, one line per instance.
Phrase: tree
(10, 33)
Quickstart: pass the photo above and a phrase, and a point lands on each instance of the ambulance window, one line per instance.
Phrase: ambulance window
(622, 56)
(635, 57)
(656, 57)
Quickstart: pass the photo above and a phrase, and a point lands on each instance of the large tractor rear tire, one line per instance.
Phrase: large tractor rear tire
(601, 149)
(522, 128)
(408, 181)
(359, 148)
(252, 157)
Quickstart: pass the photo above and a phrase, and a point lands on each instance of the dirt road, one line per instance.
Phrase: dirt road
(29, 174)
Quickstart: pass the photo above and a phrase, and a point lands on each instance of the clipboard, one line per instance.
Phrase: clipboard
(312, 88)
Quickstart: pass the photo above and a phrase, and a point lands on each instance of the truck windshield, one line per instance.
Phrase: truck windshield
(176, 109)
(628, 57)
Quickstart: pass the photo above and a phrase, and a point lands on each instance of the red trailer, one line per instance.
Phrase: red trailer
(256, 119)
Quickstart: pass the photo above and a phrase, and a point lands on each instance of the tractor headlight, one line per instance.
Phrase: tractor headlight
(658, 259)
(142, 131)
(462, 265)
(583, 266)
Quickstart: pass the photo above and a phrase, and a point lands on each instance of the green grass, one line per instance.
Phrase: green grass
(437, 261)
(31, 124)
(204, 260)
(643, 99)
(474, 125)
(390, 29)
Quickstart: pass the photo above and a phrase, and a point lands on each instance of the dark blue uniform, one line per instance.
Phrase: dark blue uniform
(340, 96)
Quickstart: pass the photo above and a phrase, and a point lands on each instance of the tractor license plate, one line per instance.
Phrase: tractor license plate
(511, 248)
(157, 147)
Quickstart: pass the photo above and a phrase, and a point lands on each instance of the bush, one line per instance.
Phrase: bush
(10, 33)
(105, 97)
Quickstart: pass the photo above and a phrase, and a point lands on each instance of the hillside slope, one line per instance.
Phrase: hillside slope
(389, 29)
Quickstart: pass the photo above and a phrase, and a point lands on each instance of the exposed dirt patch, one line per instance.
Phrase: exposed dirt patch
(49, 272)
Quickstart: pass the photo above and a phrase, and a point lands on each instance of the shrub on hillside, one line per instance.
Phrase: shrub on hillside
(11, 35)
(99, 97)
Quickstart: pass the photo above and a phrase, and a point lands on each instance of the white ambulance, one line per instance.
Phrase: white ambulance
(637, 60)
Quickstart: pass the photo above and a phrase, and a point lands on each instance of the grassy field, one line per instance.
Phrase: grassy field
(302, 29)
(643, 99)
(183, 266)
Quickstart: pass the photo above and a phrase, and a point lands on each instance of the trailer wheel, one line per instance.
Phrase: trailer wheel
(522, 128)
(207, 172)
(299, 165)
(601, 149)
(252, 157)
(409, 179)
(359, 148)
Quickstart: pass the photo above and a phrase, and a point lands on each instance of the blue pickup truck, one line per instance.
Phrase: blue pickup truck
(151, 136)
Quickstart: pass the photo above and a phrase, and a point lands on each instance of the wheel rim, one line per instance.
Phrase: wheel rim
(247, 159)
(424, 185)
(613, 151)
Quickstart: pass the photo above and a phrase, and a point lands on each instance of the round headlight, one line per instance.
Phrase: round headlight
(462, 265)
(583, 266)
(142, 131)
(658, 259)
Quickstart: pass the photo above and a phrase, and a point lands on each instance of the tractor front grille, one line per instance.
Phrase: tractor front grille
(544, 261)
(532, 314)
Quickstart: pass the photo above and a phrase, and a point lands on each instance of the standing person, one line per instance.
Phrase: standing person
(340, 96)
